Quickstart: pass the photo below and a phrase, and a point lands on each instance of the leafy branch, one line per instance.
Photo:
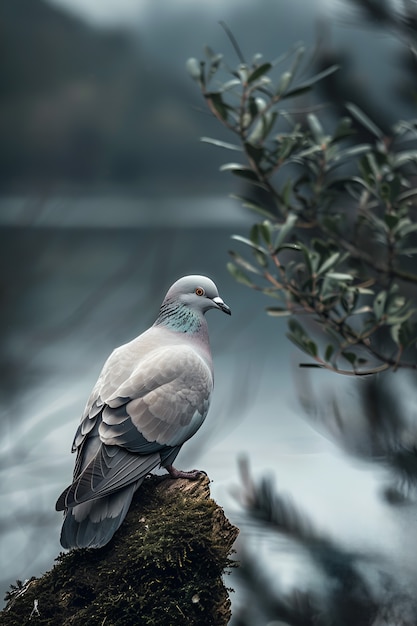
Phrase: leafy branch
(337, 240)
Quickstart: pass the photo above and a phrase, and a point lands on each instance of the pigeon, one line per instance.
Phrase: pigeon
(152, 395)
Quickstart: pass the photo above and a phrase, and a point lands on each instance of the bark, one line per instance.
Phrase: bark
(163, 567)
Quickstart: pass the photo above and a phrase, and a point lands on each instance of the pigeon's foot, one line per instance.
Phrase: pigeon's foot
(191, 475)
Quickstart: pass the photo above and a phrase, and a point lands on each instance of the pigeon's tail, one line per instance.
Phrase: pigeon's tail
(92, 524)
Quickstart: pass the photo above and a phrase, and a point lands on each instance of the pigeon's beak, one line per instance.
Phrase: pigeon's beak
(221, 305)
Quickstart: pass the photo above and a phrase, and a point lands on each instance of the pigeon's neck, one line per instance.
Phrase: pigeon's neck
(180, 318)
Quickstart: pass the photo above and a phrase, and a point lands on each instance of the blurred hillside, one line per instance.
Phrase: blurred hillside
(82, 106)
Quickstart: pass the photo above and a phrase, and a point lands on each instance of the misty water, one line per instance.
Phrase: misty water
(80, 276)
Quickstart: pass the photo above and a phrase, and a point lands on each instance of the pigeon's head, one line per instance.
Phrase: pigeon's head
(198, 293)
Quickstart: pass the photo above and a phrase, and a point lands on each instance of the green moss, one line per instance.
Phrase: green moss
(163, 567)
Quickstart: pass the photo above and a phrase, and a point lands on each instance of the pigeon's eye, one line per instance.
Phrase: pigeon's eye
(200, 291)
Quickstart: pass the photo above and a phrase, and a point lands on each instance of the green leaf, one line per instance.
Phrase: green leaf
(234, 82)
(400, 318)
(275, 311)
(308, 257)
(364, 120)
(296, 341)
(256, 58)
(286, 193)
(209, 52)
(266, 229)
(405, 227)
(329, 352)
(249, 204)
(243, 172)
(365, 292)
(261, 257)
(407, 251)
(255, 138)
(195, 70)
(243, 72)
(254, 234)
(339, 276)
(354, 151)
(239, 275)
(404, 335)
(329, 263)
(300, 338)
(260, 71)
(296, 328)
(217, 101)
(288, 246)
(343, 130)
(297, 91)
(395, 334)
(350, 356)
(221, 144)
(308, 84)
(239, 260)
(262, 128)
(215, 61)
(300, 156)
(361, 310)
(299, 53)
(311, 365)
(285, 229)
(284, 82)
(373, 165)
(391, 220)
(253, 109)
(321, 246)
(405, 157)
(249, 243)
(360, 181)
(255, 153)
(379, 304)
(316, 128)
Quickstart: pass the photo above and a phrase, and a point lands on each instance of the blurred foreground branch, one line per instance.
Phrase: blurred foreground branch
(335, 584)
(164, 566)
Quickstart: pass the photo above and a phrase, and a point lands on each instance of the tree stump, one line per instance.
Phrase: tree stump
(163, 567)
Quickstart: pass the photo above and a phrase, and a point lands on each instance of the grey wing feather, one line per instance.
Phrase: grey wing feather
(111, 469)
(92, 524)
(169, 395)
(142, 422)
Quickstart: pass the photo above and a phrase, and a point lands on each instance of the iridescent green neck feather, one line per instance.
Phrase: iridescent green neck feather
(179, 317)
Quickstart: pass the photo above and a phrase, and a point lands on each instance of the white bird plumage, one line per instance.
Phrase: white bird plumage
(152, 395)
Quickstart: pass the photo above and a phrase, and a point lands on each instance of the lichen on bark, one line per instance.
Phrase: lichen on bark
(163, 567)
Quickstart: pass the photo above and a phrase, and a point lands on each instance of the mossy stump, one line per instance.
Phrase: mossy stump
(163, 567)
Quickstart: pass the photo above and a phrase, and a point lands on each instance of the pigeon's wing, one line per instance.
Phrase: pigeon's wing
(158, 407)
(92, 524)
(163, 402)
(112, 469)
